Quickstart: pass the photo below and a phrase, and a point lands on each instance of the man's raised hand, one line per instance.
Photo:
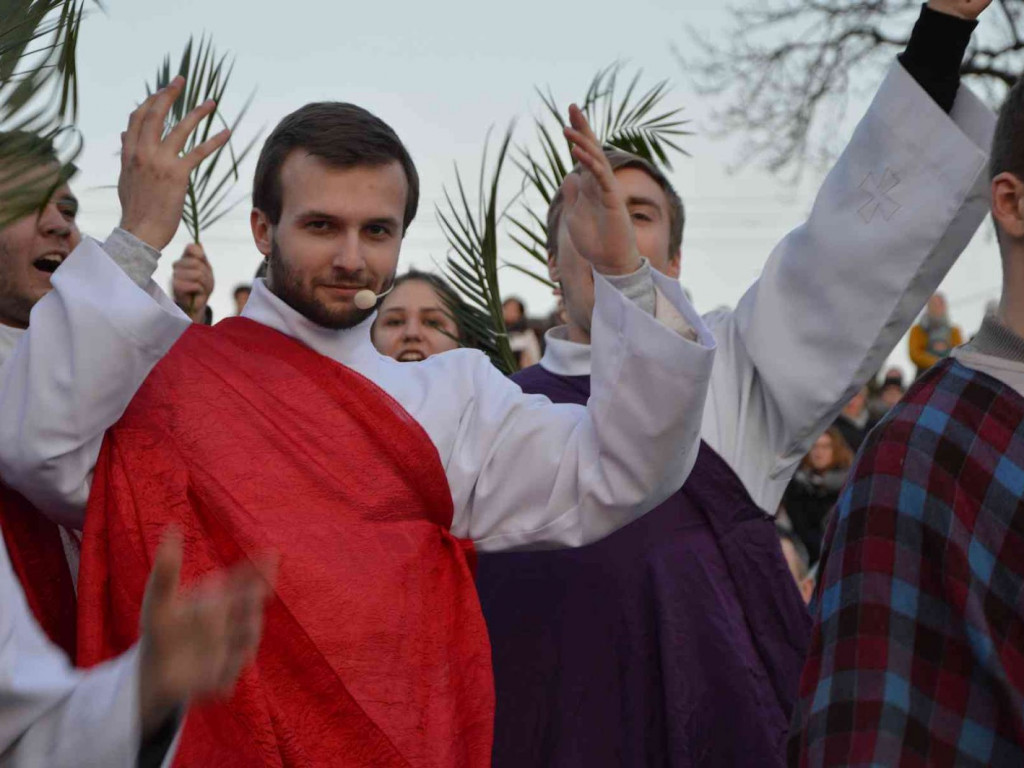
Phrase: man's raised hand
(595, 213)
(196, 643)
(154, 173)
(965, 9)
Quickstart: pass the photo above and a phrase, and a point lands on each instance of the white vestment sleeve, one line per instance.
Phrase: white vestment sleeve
(526, 473)
(91, 343)
(839, 292)
(52, 715)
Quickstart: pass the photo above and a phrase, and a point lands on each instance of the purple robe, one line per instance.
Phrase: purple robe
(676, 641)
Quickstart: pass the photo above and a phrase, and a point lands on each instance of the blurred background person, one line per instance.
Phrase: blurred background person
(799, 562)
(241, 296)
(854, 422)
(522, 339)
(415, 320)
(934, 337)
(815, 487)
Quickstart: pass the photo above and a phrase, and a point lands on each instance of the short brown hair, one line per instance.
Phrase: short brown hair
(1007, 145)
(842, 454)
(620, 159)
(342, 135)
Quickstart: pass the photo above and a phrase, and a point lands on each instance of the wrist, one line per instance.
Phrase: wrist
(156, 704)
(621, 268)
(141, 233)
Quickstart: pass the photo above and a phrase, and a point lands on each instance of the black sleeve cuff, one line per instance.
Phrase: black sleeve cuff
(934, 54)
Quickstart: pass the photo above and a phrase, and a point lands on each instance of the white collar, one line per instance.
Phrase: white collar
(350, 346)
(8, 341)
(563, 357)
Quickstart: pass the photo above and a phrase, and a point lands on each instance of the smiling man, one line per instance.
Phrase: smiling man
(286, 430)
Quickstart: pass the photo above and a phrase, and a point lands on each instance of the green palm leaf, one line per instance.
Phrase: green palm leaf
(472, 262)
(211, 185)
(38, 100)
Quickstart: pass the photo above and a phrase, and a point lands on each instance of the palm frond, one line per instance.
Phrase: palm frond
(38, 100)
(211, 185)
(472, 262)
(632, 119)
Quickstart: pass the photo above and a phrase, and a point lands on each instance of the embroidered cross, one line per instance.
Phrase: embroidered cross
(878, 196)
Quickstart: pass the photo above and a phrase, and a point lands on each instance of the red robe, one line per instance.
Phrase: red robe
(40, 563)
(374, 652)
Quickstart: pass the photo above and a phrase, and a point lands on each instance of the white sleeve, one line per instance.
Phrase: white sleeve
(52, 715)
(839, 292)
(91, 343)
(526, 473)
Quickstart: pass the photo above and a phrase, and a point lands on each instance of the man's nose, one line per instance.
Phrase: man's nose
(348, 255)
(53, 223)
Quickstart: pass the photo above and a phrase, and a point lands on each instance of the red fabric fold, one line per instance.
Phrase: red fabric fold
(375, 652)
(41, 565)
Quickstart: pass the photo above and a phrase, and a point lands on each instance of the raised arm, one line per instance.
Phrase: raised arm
(838, 292)
(528, 473)
(93, 339)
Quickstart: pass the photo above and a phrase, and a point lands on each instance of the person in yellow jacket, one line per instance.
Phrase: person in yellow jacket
(932, 339)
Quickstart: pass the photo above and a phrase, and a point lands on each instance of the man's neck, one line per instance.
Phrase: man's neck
(577, 334)
(1011, 305)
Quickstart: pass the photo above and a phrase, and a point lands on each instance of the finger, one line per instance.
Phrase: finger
(195, 251)
(152, 127)
(166, 573)
(207, 148)
(598, 166)
(178, 137)
(571, 189)
(130, 138)
(188, 288)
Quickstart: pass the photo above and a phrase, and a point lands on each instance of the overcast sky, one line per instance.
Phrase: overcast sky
(442, 74)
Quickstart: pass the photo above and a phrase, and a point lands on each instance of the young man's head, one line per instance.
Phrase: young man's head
(1006, 166)
(658, 217)
(33, 245)
(334, 193)
(937, 309)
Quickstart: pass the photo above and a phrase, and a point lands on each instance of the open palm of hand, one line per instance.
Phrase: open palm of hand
(965, 9)
(595, 213)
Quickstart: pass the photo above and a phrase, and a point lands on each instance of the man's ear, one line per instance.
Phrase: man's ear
(262, 231)
(1008, 204)
(675, 265)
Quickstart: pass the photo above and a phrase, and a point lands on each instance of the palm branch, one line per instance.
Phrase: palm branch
(633, 120)
(212, 183)
(472, 262)
(38, 100)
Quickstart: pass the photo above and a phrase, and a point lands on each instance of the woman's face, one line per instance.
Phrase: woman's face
(822, 453)
(413, 324)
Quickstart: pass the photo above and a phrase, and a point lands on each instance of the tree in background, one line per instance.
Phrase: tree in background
(789, 70)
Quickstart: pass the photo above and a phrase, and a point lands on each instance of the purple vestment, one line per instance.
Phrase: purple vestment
(676, 641)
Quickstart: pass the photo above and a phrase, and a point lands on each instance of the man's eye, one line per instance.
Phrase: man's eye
(392, 323)
(641, 216)
(377, 231)
(318, 226)
(435, 324)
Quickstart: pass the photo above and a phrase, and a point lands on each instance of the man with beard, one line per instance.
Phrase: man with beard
(284, 429)
(679, 639)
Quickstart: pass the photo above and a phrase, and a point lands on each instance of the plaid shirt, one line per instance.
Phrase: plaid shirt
(917, 653)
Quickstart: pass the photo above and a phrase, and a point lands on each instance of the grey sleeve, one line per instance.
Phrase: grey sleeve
(136, 258)
(638, 287)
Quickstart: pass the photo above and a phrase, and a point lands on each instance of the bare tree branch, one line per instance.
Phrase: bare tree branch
(787, 74)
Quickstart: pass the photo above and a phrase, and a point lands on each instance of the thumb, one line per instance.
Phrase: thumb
(166, 573)
(571, 188)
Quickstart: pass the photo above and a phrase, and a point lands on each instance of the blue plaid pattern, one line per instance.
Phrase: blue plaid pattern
(917, 652)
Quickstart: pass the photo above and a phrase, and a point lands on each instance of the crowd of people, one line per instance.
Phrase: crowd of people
(667, 539)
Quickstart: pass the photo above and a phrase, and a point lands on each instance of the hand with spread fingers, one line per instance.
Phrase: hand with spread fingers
(192, 284)
(154, 173)
(965, 9)
(595, 212)
(196, 644)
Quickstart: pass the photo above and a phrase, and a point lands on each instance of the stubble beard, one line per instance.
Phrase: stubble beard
(15, 306)
(286, 283)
